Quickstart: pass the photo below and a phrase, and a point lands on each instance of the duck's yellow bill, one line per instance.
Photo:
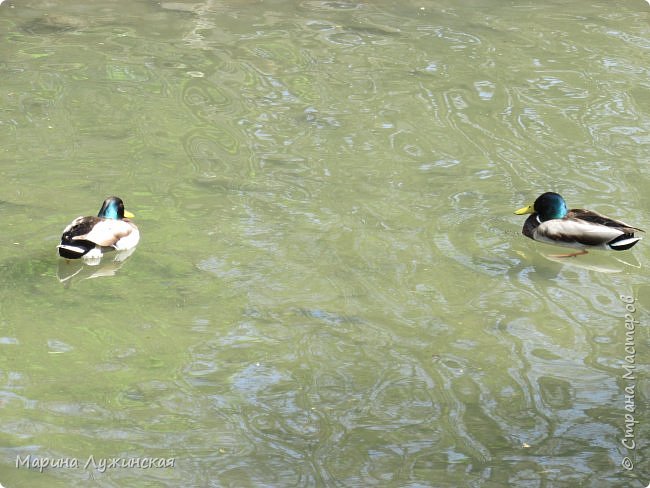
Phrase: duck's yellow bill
(128, 214)
(525, 210)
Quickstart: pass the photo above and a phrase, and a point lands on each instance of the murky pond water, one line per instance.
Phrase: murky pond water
(331, 288)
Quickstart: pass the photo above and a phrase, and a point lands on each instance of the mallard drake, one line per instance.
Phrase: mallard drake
(553, 223)
(90, 237)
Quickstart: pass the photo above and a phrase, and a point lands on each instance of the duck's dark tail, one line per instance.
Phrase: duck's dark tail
(623, 242)
(74, 249)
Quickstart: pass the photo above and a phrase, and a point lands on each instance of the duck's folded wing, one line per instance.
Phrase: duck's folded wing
(107, 232)
(569, 230)
(596, 218)
(79, 228)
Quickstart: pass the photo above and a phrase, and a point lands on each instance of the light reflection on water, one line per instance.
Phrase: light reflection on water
(331, 288)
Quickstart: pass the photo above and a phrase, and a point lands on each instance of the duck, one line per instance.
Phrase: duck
(553, 223)
(90, 237)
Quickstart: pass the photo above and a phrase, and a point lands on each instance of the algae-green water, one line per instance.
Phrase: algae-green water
(331, 289)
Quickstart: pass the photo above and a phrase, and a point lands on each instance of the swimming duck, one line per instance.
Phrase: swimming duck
(90, 237)
(552, 222)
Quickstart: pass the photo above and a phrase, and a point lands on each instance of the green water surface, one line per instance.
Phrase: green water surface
(331, 288)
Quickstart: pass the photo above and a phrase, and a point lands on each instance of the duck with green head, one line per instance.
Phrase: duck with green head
(90, 237)
(552, 222)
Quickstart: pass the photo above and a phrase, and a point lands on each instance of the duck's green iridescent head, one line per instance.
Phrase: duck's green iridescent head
(113, 208)
(548, 206)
